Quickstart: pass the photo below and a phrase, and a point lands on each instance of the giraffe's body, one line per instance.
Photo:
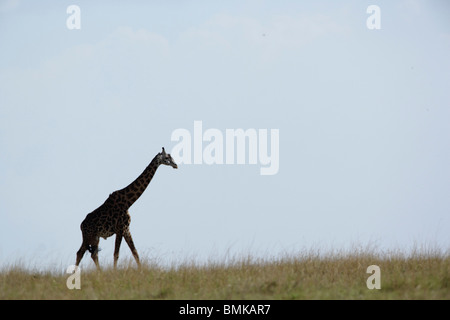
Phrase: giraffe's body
(112, 216)
(108, 219)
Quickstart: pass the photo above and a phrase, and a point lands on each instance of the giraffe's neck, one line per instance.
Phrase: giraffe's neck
(135, 189)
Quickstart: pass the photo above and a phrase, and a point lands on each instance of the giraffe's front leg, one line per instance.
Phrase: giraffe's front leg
(116, 249)
(129, 240)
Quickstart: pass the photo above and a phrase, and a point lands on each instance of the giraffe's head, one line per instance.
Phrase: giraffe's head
(166, 159)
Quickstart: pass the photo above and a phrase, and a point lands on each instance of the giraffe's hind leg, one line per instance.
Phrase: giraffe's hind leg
(116, 249)
(129, 240)
(93, 249)
(81, 252)
(89, 244)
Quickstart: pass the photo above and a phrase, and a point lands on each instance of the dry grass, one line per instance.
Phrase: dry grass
(422, 274)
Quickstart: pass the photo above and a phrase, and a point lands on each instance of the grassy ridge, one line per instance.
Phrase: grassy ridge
(309, 275)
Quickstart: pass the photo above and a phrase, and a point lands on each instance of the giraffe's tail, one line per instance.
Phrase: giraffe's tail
(93, 249)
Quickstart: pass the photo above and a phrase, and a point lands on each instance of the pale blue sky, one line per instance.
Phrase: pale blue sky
(363, 117)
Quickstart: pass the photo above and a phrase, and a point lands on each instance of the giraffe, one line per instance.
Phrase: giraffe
(112, 216)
